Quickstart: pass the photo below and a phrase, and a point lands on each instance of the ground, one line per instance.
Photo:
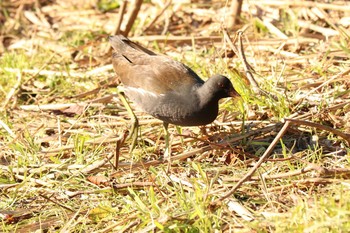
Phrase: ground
(275, 160)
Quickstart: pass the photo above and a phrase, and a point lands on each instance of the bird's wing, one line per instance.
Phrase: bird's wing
(140, 68)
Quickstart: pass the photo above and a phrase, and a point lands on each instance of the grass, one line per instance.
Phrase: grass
(54, 171)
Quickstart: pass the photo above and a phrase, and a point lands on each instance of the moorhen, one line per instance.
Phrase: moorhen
(165, 88)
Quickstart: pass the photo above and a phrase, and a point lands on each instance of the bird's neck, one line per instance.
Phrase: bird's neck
(206, 96)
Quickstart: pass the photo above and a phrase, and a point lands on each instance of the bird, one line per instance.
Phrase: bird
(165, 88)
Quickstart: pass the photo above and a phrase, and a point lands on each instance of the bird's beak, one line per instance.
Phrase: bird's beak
(233, 93)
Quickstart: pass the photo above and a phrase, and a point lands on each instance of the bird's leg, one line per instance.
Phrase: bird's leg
(135, 123)
(167, 152)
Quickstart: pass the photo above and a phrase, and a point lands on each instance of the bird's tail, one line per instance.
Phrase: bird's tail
(123, 45)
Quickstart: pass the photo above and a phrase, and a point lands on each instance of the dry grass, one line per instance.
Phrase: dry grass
(61, 124)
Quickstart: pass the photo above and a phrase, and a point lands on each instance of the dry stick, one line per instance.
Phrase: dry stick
(120, 17)
(158, 16)
(132, 17)
(326, 32)
(57, 203)
(7, 128)
(337, 106)
(317, 180)
(166, 26)
(110, 82)
(283, 4)
(252, 133)
(33, 180)
(72, 74)
(246, 66)
(273, 29)
(97, 141)
(117, 149)
(220, 145)
(345, 72)
(108, 188)
(197, 151)
(240, 53)
(329, 109)
(256, 166)
(173, 158)
(128, 227)
(52, 107)
(318, 83)
(112, 226)
(102, 162)
(325, 16)
(235, 12)
(229, 41)
(97, 164)
(49, 223)
(218, 39)
(116, 30)
(13, 91)
(305, 182)
(248, 69)
(322, 127)
(98, 102)
(309, 168)
(19, 72)
(133, 184)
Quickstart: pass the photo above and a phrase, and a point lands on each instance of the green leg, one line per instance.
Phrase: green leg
(167, 152)
(135, 123)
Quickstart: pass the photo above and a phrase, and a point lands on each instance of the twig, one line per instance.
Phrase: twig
(138, 184)
(345, 72)
(345, 136)
(256, 166)
(132, 16)
(112, 226)
(284, 4)
(173, 158)
(99, 141)
(33, 180)
(117, 149)
(57, 203)
(322, 172)
(240, 53)
(247, 68)
(120, 17)
(326, 32)
(235, 206)
(218, 39)
(53, 107)
(97, 164)
(7, 128)
(274, 30)
(235, 12)
(98, 71)
(305, 182)
(200, 150)
(13, 90)
(114, 186)
(48, 223)
(167, 4)
(252, 133)
(329, 109)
